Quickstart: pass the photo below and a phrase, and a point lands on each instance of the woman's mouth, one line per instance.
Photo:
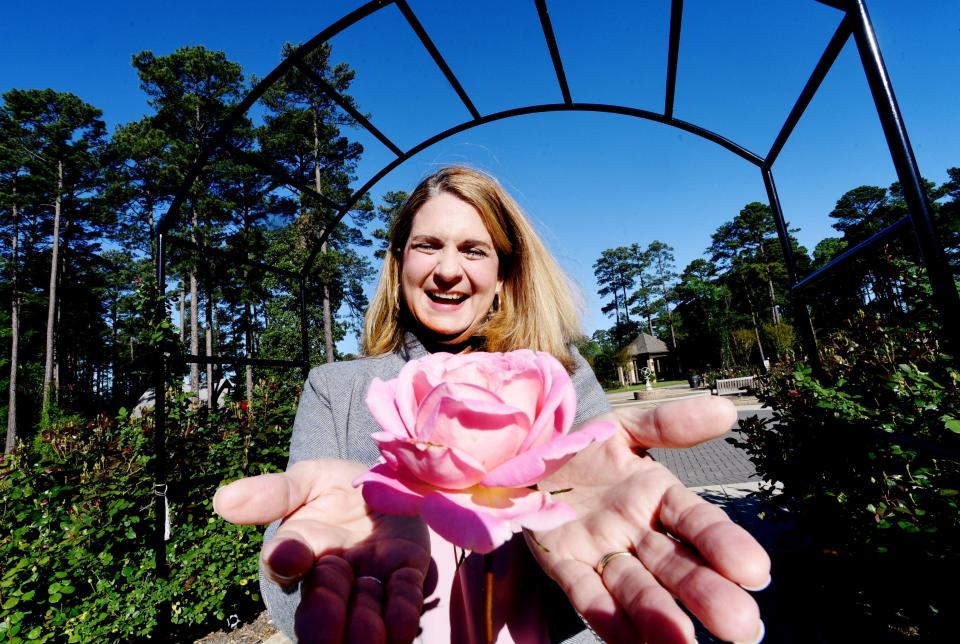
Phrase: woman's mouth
(447, 298)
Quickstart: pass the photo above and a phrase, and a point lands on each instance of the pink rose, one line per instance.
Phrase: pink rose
(466, 438)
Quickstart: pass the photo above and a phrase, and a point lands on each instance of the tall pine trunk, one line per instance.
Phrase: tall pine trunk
(183, 303)
(14, 329)
(753, 316)
(194, 314)
(626, 303)
(248, 341)
(52, 299)
(327, 313)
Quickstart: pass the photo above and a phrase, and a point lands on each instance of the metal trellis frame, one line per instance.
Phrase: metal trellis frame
(854, 23)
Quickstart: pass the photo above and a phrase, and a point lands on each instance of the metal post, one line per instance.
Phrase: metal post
(905, 163)
(807, 334)
(160, 448)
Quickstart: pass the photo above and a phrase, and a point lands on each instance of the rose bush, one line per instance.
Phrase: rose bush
(467, 437)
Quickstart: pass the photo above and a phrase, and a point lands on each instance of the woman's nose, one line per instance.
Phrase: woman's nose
(448, 267)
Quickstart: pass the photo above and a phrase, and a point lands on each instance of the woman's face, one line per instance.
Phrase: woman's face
(450, 269)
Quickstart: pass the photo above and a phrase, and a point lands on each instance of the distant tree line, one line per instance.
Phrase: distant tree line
(729, 310)
(79, 209)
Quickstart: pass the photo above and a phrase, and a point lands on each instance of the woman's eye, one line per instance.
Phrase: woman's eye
(475, 252)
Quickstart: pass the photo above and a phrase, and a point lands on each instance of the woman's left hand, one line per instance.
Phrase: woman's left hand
(680, 545)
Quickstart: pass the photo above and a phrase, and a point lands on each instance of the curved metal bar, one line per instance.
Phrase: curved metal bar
(551, 37)
(427, 43)
(522, 111)
(887, 233)
(673, 54)
(281, 176)
(345, 105)
(355, 16)
(839, 39)
(905, 163)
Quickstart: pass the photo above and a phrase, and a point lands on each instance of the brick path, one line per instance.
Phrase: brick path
(715, 462)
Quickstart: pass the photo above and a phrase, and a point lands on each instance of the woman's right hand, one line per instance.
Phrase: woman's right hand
(361, 573)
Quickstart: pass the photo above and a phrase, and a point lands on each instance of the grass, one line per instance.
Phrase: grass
(656, 385)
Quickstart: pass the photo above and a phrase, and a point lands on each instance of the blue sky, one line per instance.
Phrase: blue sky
(588, 181)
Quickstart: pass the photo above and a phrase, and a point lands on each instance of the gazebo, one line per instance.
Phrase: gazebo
(644, 351)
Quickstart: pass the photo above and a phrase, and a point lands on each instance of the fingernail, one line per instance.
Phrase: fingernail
(756, 589)
(215, 495)
(759, 637)
(287, 583)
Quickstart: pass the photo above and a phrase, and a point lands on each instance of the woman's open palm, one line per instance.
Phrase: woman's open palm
(680, 545)
(362, 572)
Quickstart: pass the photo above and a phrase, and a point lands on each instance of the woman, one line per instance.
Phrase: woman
(466, 271)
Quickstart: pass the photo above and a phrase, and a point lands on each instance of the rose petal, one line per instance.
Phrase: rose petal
(425, 422)
(382, 401)
(438, 465)
(527, 468)
(489, 431)
(482, 519)
(558, 403)
(385, 493)
(524, 390)
(407, 400)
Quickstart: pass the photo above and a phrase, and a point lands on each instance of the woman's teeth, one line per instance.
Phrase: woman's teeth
(451, 298)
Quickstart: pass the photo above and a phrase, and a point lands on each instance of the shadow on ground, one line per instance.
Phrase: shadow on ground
(812, 596)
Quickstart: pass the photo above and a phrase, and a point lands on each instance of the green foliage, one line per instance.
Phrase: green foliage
(865, 458)
(78, 565)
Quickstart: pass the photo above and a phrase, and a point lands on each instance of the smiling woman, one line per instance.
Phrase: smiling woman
(450, 270)
(467, 268)
(467, 272)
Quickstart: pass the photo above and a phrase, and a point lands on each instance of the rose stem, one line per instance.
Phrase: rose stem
(488, 595)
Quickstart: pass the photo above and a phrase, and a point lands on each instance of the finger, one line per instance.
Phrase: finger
(593, 601)
(296, 546)
(321, 616)
(404, 603)
(723, 607)
(268, 497)
(365, 622)
(655, 614)
(678, 424)
(730, 549)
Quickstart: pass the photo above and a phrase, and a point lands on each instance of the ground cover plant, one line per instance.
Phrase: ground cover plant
(77, 562)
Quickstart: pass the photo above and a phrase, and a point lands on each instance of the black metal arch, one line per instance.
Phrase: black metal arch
(854, 23)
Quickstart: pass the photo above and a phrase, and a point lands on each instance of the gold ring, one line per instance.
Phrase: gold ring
(607, 558)
(369, 577)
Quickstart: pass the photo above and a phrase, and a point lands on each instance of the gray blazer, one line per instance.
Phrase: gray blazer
(333, 422)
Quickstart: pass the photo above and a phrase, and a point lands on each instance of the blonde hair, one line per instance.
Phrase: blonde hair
(537, 306)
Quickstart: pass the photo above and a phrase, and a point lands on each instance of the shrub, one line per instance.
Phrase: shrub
(865, 455)
(77, 562)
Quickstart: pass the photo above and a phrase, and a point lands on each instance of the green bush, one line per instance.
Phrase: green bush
(863, 458)
(77, 506)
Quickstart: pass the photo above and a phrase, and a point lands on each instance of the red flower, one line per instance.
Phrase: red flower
(793, 393)
(244, 405)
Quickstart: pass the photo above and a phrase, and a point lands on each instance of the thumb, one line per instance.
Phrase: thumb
(258, 500)
(683, 423)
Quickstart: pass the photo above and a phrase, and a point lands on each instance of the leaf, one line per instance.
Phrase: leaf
(953, 424)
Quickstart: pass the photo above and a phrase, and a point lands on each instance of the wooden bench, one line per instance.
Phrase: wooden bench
(729, 386)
